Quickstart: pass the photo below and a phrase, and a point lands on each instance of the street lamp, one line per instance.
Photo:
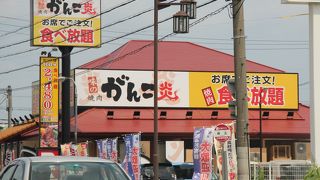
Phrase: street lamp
(263, 90)
(62, 78)
(187, 6)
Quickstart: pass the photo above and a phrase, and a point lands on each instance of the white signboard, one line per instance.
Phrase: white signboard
(131, 88)
(175, 151)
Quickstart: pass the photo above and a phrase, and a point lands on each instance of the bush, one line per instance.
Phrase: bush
(313, 173)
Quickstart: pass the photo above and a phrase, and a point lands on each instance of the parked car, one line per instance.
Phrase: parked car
(166, 172)
(63, 168)
(184, 171)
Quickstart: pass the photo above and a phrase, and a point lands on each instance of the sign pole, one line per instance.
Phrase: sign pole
(224, 164)
(314, 44)
(65, 51)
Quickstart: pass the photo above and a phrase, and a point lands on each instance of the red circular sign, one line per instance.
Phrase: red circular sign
(222, 133)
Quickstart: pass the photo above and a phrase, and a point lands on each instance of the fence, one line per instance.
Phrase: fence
(280, 170)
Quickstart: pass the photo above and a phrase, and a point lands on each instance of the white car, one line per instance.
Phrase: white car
(63, 168)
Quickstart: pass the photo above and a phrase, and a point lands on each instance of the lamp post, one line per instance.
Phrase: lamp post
(62, 78)
(260, 120)
(180, 25)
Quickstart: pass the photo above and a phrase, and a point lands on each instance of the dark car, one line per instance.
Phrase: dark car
(185, 171)
(166, 171)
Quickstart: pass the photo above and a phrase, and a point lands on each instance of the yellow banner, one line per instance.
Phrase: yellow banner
(272, 90)
(49, 89)
(66, 23)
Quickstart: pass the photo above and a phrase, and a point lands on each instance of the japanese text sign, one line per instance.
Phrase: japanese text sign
(130, 88)
(202, 153)
(273, 90)
(49, 89)
(183, 89)
(66, 23)
(49, 101)
(222, 133)
(132, 162)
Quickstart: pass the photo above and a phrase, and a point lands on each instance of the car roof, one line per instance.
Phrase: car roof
(64, 159)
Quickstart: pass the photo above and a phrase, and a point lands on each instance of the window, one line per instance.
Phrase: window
(8, 173)
(281, 152)
(18, 174)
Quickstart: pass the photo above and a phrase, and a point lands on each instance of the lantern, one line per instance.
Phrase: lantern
(180, 22)
(189, 7)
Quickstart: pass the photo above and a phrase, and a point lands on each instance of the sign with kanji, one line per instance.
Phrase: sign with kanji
(273, 90)
(182, 89)
(131, 88)
(49, 101)
(66, 23)
(222, 133)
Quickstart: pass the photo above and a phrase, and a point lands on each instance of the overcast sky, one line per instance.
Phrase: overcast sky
(277, 36)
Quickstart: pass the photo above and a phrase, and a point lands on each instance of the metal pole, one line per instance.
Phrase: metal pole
(75, 112)
(260, 134)
(9, 107)
(155, 100)
(224, 164)
(65, 94)
(241, 90)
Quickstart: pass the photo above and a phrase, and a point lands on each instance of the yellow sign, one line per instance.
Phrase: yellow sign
(272, 90)
(49, 90)
(66, 23)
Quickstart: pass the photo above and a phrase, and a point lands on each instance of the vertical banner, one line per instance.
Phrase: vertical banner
(82, 149)
(112, 151)
(2, 155)
(132, 162)
(99, 148)
(65, 149)
(230, 148)
(202, 153)
(8, 155)
(49, 102)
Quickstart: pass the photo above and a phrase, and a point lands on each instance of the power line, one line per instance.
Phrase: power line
(18, 69)
(24, 27)
(13, 18)
(30, 50)
(24, 41)
(138, 50)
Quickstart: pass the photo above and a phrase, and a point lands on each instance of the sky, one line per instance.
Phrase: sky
(276, 35)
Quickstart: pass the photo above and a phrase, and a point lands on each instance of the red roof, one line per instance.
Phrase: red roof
(182, 56)
(175, 56)
(95, 121)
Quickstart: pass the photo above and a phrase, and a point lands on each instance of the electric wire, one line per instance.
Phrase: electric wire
(24, 41)
(139, 49)
(29, 26)
(30, 50)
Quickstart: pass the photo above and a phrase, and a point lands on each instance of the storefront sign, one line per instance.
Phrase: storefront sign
(182, 89)
(49, 101)
(66, 23)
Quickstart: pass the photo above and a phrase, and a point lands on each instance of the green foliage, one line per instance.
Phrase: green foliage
(260, 175)
(313, 173)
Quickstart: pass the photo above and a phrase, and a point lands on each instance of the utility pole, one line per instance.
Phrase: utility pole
(9, 105)
(241, 90)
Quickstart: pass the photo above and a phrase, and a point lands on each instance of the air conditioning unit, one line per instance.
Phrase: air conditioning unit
(301, 149)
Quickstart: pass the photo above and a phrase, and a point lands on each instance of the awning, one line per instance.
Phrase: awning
(17, 130)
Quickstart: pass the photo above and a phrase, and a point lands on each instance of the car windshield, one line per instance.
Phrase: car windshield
(76, 171)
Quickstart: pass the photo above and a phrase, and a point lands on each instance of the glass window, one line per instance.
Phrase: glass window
(77, 170)
(8, 173)
(18, 174)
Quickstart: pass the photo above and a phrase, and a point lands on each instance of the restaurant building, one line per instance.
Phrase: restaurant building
(115, 97)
